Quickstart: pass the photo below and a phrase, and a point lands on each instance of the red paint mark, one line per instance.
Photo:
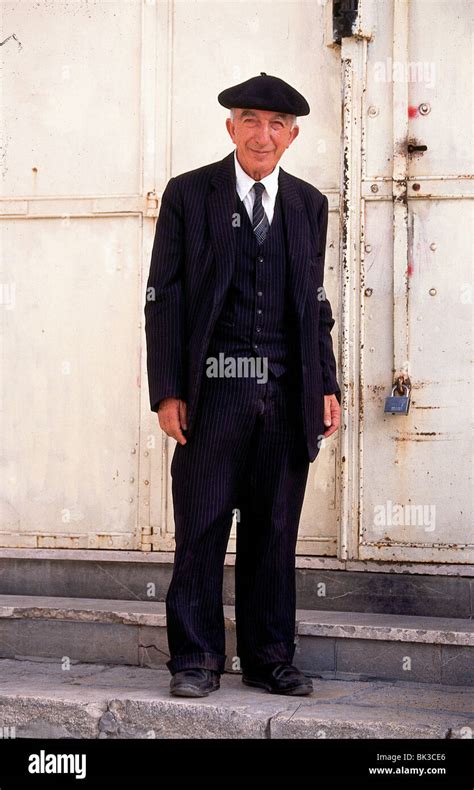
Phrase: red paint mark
(412, 112)
(410, 269)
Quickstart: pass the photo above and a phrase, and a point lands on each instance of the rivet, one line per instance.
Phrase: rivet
(133, 451)
(433, 246)
(146, 453)
(416, 187)
(368, 291)
(132, 479)
(432, 291)
(368, 248)
(147, 482)
(374, 188)
(424, 108)
(373, 111)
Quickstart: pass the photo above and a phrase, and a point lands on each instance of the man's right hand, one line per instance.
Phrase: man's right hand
(172, 416)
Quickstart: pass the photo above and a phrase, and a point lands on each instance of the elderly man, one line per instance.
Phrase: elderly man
(242, 374)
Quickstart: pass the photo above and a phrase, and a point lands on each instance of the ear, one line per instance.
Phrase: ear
(293, 135)
(230, 128)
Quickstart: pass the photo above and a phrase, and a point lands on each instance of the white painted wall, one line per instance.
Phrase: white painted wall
(101, 103)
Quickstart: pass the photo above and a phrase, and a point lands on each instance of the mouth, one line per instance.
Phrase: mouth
(260, 152)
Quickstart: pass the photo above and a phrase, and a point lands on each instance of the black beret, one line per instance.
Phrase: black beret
(265, 93)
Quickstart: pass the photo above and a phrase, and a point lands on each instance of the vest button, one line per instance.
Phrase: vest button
(259, 259)
(259, 293)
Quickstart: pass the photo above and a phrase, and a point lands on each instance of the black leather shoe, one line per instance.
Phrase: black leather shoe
(194, 682)
(282, 678)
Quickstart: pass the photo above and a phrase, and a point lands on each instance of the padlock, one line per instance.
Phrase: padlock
(398, 404)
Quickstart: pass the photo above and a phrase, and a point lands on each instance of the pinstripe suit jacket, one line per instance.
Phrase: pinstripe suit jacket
(191, 269)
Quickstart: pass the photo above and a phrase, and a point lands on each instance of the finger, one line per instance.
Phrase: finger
(161, 422)
(330, 431)
(170, 424)
(327, 411)
(183, 414)
(167, 422)
(179, 436)
(336, 417)
(173, 430)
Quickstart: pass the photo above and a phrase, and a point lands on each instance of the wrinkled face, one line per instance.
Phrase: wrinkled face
(261, 137)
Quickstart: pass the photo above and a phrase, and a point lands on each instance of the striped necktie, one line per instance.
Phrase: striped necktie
(260, 222)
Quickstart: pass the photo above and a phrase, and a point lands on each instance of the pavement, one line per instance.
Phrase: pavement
(52, 699)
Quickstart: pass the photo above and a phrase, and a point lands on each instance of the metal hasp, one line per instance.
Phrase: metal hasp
(412, 148)
(400, 403)
(402, 237)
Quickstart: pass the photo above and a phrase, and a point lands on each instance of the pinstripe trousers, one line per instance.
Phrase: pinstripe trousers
(247, 452)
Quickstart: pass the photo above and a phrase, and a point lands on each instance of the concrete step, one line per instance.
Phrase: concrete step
(337, 586)
(349, 645)
(39, 699)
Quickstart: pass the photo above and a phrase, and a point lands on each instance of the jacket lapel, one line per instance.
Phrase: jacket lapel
(298, 240)
(220, 206)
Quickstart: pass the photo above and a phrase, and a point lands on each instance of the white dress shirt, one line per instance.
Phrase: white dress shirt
(247, 195)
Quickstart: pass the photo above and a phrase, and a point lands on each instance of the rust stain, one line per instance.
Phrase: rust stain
(424, 436)
(402, 196)
(400, 146)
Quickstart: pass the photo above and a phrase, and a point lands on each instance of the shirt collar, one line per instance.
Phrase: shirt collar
(245, 182)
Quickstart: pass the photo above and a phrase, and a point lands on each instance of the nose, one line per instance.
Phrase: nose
(262, 135)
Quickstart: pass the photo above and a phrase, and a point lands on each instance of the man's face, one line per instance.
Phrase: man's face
(261, 137)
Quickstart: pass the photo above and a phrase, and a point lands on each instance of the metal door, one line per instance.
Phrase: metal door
(407, 487)
(212, 45)
(77, 155)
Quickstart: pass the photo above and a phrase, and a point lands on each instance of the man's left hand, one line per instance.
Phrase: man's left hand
(332, 415)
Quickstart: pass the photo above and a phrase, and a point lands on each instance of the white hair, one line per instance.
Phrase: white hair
(294, 119)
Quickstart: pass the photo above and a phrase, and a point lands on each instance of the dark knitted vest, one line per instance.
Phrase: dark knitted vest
(255, 317)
